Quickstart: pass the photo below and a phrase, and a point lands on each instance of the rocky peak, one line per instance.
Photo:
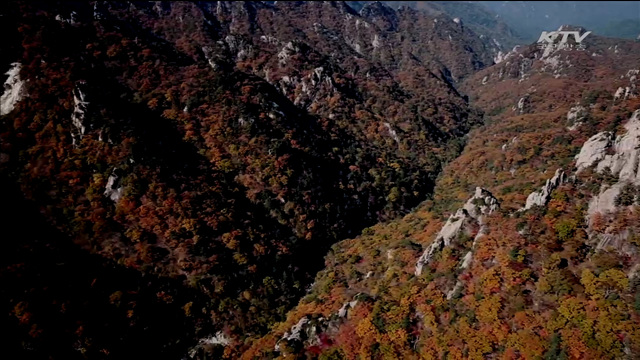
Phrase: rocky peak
(342, 6)
(380, 14)
(481, 203)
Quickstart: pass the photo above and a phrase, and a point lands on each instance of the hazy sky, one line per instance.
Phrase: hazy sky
(529, 18)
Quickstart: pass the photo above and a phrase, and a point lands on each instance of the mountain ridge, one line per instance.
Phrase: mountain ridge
(204, 159)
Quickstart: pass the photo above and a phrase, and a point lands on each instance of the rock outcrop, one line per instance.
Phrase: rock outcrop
(542, 196)
(79, 112)
(219, 338)
(114, 188)
(481, 203)
(14, 90)
(628, 92)
(575, 116)
(593, 150)
(621, 157)
(624, 161)
(308, 329)
(605, 201)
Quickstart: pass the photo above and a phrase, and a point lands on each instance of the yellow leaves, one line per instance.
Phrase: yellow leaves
(447, 262)
(490, 281)
(428, 318)
(428, 348)
(240, 258)
(259, 249)
(477, 343)
(133, 233)
(572, 309)
(189, 224)
(615, 279)
(398, 337)
(488, 309)
(224, 165)
(601, 286)
(187, 308)
(113, 50)
(520, 255)
(229, 241)
(394, 194)
(436, 296)
(590, 283)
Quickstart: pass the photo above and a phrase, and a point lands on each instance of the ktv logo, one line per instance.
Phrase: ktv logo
(548, 39)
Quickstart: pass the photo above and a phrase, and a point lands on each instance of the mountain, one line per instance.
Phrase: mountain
(529, 248)
(315, 180)
(530, 18)
(628, 29)
(196, 161)
(477, 17)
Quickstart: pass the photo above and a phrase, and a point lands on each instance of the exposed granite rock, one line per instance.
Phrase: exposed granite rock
(575, 115)
(14, 90)
(114, 189)
(458, 286)
(79, 113)
(466, 261)
(605, 201)
(622, 163)
(219, 338)
(481, 203)
(542, 197)
(308, 329)
(593, 150)
(345, 308)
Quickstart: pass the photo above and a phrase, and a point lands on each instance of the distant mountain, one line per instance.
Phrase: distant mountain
(530, 18)
(491, 29)
(517, 22)
(474, 16)
(626, 29)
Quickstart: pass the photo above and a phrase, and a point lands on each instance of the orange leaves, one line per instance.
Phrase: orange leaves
(557, 205)
(170, 114)
(230, 239)
(368, 334)
(575, 345)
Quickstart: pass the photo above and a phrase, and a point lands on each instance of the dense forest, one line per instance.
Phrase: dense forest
(304, 180)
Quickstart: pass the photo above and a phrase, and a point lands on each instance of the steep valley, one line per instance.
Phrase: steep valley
(261, 180)
(529, 247)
